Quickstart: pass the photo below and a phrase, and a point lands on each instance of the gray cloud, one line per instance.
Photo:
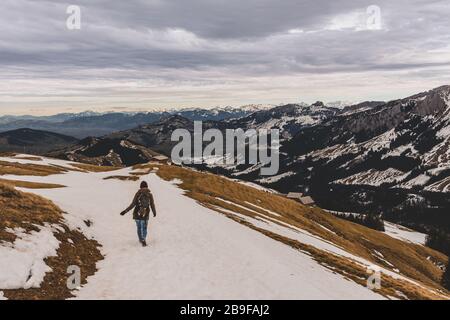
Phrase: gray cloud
(158, 52)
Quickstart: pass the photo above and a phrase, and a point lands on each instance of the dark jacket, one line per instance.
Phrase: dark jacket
(134, 205)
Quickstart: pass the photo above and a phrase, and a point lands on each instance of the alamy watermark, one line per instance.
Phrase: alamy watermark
(373, 21)
(235, 147)
(73, 21)
(74, 279)
(373, 18)
(374, 280)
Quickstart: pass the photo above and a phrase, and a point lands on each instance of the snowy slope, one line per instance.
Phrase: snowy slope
(194, 252)
(405, 234)
(22, 263)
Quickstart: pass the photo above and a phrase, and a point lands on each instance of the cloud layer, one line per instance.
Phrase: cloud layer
(143, 54)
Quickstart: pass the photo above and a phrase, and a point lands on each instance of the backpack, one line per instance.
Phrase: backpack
(143, 204)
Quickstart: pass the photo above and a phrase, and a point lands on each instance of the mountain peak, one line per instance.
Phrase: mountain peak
(445, 88)
(318, 104)
(176, 118)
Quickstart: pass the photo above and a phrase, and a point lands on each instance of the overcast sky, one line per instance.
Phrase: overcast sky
(150, 54)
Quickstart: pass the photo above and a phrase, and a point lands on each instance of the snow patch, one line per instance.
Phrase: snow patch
(402, 233)
(276, 178)
(374, 177)
(420, 180)
(440, 186)
(22, 262)
(264, 209)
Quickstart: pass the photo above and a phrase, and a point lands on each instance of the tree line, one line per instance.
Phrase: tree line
(440, 241)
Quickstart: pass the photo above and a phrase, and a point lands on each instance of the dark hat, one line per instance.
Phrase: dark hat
(144, 185)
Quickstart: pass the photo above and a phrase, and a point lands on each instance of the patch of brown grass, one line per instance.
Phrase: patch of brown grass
(22, 169)
(7, 154)
(94, 168)
(391, 287)
(31, 185)
(142, 173)
(24, 210)
(412, 260)
(27, 211)
(123, 178)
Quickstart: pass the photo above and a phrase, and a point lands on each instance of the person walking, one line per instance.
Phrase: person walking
(142, 202)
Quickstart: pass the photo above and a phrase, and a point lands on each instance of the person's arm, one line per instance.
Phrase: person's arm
(131, 206)
(152, 204)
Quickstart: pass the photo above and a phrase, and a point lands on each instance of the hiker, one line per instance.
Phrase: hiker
(142, 202)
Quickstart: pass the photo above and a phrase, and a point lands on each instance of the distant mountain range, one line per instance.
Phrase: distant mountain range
(389, 158)
(33, 141)
(85, 124)
(156, 136)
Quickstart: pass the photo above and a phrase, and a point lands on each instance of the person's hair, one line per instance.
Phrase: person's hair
(144, 185)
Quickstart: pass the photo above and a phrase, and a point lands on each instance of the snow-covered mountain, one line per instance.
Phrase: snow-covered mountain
(288, 118)
(231, 242)
(373, 156)
(340, 104)
(89, 123)
(156, 136)
(408, 137)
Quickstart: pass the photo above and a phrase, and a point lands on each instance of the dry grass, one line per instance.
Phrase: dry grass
(7, 154)
(30, 185)
(69, 168)
(24, 210)
(412, 260)
(391, 287)
(141, 173)
(123, 178)
(28, 211)
(22, 169)
(94, 168)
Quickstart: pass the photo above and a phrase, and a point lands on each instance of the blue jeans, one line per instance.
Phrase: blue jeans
(142, 226)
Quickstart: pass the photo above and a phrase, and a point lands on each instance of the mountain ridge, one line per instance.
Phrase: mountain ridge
(32, 141)
(378, 160)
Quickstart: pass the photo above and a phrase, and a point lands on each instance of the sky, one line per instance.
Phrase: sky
(139, 55)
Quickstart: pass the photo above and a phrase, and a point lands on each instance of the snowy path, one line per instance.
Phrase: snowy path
(193, 253)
